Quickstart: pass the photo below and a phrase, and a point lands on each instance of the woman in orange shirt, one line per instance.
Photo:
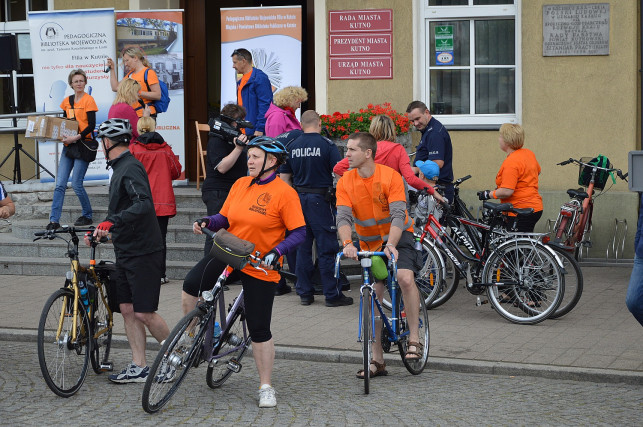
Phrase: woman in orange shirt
(517, 179)
(136, 64)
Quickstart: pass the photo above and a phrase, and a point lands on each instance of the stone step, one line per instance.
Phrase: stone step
(14, 247)
(186, 197)
(69, 214)
(176, 233)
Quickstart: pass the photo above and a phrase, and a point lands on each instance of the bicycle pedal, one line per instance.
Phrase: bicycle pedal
(107, 367)
(234, 366)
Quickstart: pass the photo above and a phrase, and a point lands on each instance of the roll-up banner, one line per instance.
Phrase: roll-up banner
(272, 35)
(62, 41)
(160, 34)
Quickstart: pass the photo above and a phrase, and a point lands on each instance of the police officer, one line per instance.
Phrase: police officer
(309, 168)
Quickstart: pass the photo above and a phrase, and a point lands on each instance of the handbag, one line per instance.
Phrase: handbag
(230, 249)
(82, 149)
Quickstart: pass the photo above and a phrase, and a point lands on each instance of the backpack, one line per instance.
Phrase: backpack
(162, 104)
(585, 173)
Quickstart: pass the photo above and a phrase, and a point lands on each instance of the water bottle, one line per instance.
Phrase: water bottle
(83, 294)
(217, 333)
(418, 244)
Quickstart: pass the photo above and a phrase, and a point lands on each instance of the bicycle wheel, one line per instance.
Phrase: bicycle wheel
(560, 230)
(584, 240)
(573, 283)
(524, 282)
(430, 279)
(367, 349)
(63, 360)
(234, 346)
(102, 325)
(449, 284)
(415, 365)
(174, 360)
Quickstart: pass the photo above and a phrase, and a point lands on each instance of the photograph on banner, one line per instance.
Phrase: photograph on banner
(62, 41)
(159, 34)
(273, 37)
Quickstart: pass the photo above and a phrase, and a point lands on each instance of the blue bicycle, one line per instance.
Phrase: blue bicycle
(395, 329)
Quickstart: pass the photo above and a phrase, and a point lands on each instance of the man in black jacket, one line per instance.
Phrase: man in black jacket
(138, 246)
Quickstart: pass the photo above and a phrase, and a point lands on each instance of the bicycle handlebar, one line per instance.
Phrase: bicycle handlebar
(73, 231)
(461, 180)
(363, 254)
(619, 173)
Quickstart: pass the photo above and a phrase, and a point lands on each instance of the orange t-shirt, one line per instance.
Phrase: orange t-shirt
(519, 172)
(261, 214)
(369, 199)
(79, 112)
(242, 83)
(152, 79)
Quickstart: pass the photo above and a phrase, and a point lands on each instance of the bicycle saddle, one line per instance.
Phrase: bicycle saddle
(507, 207)
(579, 194)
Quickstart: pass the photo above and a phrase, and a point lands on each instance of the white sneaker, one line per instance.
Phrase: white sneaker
(267, 398)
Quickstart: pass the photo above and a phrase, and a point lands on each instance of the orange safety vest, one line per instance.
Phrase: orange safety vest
(369, 199)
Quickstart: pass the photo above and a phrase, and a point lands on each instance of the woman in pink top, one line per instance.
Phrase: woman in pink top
(121, 108)
(280, 116)
(389, 153)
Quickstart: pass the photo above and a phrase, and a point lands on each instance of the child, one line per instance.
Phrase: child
(162, 167)
(427, 204)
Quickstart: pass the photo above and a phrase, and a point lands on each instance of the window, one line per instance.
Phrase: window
(471, 54)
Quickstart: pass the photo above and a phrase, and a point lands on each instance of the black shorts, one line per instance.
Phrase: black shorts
(408, 257)
(138, 281)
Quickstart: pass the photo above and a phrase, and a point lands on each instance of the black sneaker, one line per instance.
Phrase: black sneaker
(307, 300)
(337, 302)
(83, 220)
(53, 226)
(282, 289)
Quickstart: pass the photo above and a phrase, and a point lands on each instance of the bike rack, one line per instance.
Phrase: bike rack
(617, 247)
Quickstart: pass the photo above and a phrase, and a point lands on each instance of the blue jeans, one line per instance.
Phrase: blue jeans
(634, 298)
(65, 166)
(320, 226)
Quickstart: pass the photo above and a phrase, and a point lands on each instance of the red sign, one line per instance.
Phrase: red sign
(361, 20)
(357, 67)
(359, 44)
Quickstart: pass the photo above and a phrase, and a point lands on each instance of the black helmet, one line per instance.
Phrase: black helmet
(117, 130)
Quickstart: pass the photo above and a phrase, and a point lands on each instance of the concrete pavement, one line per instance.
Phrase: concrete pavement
(598, 341)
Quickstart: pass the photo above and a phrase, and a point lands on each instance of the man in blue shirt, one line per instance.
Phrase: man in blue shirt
(309, 169)
(254, 91)
(435, 144)
(634, 297)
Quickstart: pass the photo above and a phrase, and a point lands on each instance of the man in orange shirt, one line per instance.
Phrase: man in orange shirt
(372, 197)
(254, 91)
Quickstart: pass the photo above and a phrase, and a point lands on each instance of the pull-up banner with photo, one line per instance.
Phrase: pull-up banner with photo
(62, 41)
(160, 34)
(272, 35)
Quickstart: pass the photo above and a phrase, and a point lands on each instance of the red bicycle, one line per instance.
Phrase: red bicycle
(574, 222)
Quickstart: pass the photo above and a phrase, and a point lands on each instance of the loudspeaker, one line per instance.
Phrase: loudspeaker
(9, 60)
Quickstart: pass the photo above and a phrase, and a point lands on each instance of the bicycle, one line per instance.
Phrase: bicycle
(574, 223)
(522, 277)
(396, 326)
(77, 321)
(192, 342)
(573, 274)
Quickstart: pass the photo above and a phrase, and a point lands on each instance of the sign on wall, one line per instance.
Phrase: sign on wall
(444, 45)
(360, 44)
(273, 37)
(576, 29)
(62, 41)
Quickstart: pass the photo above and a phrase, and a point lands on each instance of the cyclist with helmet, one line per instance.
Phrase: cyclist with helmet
(138, 246)
(260, 208)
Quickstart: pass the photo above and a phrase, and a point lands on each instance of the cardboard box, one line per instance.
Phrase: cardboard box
(46, 127)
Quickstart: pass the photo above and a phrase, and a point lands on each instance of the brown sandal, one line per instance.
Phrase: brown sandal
(380, 370)
(417, 354)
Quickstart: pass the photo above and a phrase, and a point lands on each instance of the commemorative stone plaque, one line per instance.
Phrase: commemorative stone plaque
(576, 29)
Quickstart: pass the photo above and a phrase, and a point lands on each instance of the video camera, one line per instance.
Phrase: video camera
(222, 126)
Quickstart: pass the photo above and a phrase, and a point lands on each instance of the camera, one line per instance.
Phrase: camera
(221, 126)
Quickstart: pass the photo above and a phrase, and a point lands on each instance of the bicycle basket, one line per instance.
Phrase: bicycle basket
(585, 173)
(230, 249)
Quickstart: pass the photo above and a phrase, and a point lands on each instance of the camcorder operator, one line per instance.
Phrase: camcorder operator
(227, 128)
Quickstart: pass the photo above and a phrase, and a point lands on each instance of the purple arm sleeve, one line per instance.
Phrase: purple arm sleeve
(293, 239)
(218, 221)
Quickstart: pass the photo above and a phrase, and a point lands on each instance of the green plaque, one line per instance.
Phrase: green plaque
(443, 37)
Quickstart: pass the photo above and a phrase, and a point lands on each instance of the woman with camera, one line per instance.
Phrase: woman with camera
(226, 163)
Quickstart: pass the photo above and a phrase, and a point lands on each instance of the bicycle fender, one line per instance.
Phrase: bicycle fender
(536, 243)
